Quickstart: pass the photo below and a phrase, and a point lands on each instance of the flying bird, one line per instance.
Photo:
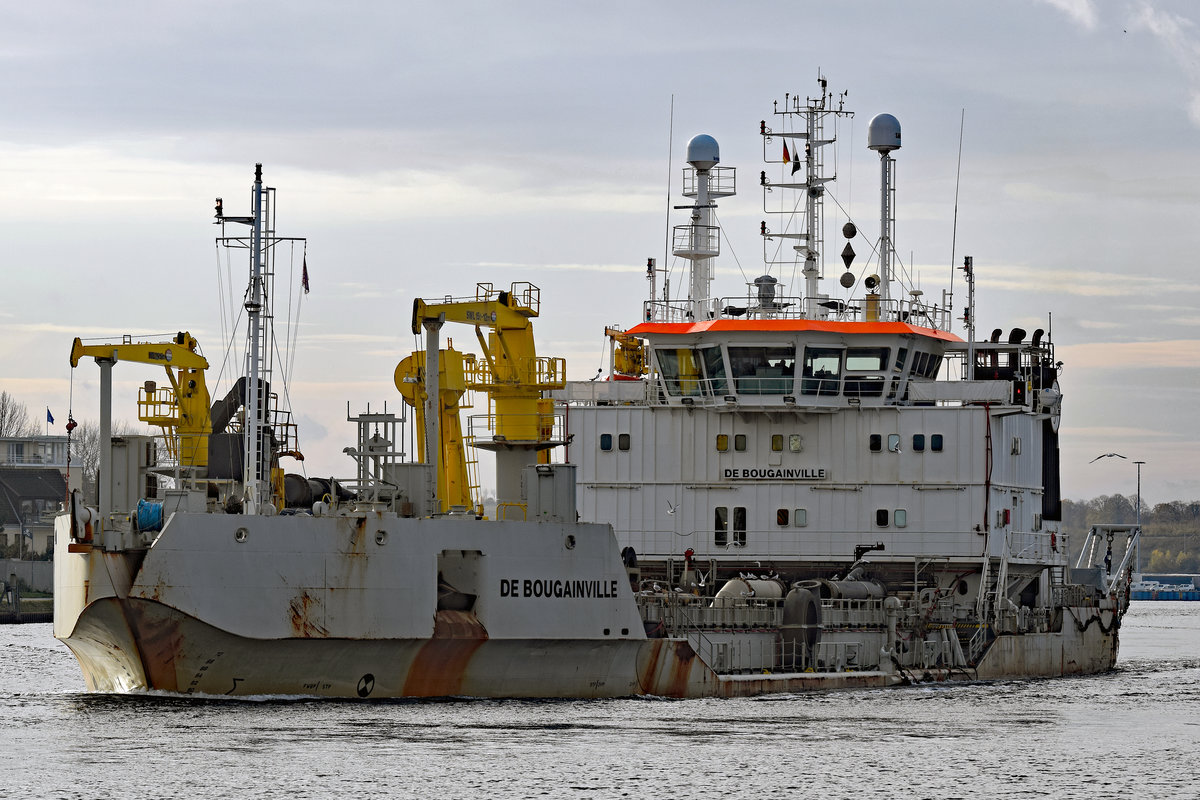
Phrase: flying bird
(1106, 455)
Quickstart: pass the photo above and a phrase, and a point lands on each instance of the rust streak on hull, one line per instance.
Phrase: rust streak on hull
(441, 663)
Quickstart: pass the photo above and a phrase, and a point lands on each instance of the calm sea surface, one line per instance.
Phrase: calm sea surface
(1132, 733)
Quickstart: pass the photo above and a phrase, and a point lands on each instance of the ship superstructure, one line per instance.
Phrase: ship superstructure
(771, 492)
(847, 445)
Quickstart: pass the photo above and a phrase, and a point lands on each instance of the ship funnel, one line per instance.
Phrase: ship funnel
(883, 134)
(703, 152)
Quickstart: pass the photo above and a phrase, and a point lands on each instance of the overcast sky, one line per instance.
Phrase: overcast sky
(423, 147)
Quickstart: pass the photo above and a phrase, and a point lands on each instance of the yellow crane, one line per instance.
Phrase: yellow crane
(180, 410)
(510, 372)
(454, 484)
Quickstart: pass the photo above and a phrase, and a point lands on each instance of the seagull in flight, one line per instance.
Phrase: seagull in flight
(1106, 455)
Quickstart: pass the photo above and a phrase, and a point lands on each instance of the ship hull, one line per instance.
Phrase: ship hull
(334, 608)
(135, 645)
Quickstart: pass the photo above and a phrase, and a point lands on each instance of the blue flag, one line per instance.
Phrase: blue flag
(49, 416)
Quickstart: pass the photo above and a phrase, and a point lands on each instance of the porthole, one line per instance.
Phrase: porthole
(240, 534)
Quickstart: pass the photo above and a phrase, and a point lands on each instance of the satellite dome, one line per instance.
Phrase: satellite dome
(703, 152)
(883, 134)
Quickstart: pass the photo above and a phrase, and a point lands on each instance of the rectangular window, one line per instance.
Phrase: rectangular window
(881, 517)
(935, 362)
(722, 442)
(714, 369)
(763, 370)
(606, 441)
(900, 518)
(822, 373)
(623, 441)
(739, 526)
(800, 518)
(935, 443)
(867, 359)
(721, 526)
(777, 442)
(876, 443)
(795, 442)
(689, 373)
(918, 443)
(1016, 446)
(781, 517)
(901, 355)
(739, 442)
(680, 370)
(893, 443)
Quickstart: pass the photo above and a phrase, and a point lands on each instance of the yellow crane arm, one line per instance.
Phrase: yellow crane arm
(180, 353)
(183, 410)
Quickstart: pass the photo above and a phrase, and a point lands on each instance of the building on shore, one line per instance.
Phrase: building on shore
(33, 487)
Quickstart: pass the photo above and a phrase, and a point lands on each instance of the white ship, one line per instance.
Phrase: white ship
(770, 493)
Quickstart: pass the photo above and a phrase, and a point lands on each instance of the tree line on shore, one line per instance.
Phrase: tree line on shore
(1170, 530)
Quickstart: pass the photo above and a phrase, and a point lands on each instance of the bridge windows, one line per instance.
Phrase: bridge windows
(822, 373)
(691, 372)
(763, 370)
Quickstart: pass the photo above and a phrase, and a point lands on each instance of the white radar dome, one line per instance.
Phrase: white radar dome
(883, 134)
(703, 152)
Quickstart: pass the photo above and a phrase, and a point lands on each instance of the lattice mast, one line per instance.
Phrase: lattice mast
(802, 146)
